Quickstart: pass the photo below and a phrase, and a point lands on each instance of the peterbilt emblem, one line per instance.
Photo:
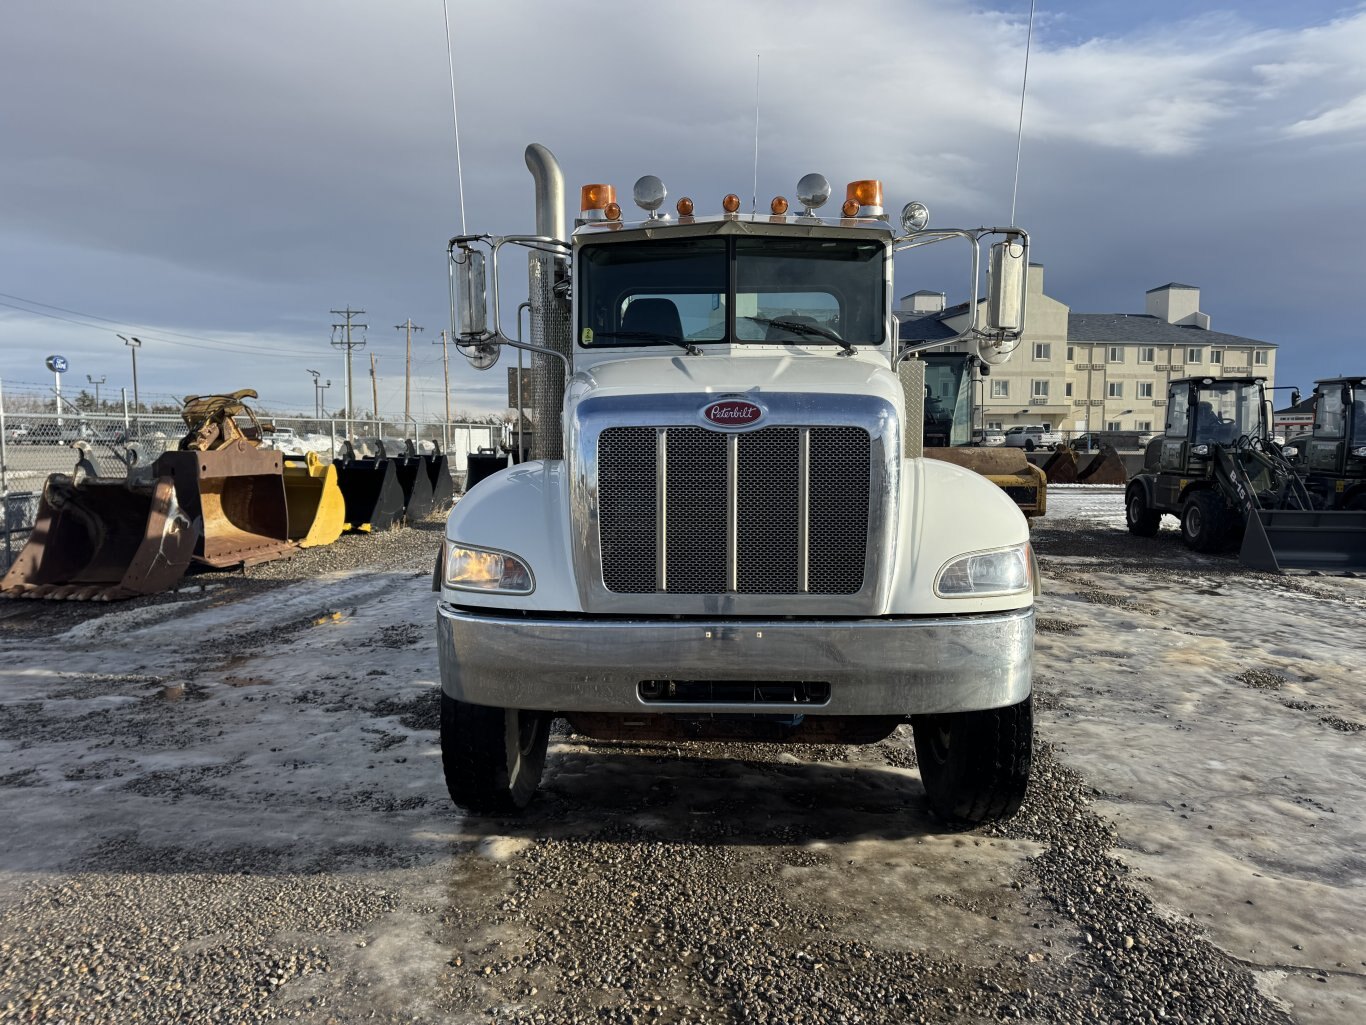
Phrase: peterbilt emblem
(732, 413)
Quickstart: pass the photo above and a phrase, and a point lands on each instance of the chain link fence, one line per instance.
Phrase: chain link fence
(34, 445)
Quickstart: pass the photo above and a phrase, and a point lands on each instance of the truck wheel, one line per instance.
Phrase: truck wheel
(492, 757)
(975, 765)
(1029, 444)
(1204, 522)
(1143, 521)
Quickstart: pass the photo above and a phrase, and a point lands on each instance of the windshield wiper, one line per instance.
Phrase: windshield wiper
(798, 327)
(651, 336)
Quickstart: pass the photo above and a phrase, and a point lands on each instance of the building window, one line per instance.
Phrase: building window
(1116, 354)
(996, 425)
(1259, 357)
(1070, 350)
(1000, 388)
(1113, 425)
(1145, 389)
(1194, 355)
(1216, 356)
(1147, 354)
(1043, 350)
(1144, 426)
(1067, 389)
(1115, 389)
(1040, 389)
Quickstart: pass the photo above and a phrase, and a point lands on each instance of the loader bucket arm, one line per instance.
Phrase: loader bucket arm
(103, 539)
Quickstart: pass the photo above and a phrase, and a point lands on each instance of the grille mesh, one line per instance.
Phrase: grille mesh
(768, 499)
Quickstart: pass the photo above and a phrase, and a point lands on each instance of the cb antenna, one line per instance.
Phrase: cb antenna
(1019, 133)
(455, 114)
(754, 196)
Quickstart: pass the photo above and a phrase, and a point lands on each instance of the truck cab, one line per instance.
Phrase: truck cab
(728, 528)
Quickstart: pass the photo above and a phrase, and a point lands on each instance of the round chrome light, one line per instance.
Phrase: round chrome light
(649, 193)
(813, 191)
(914, 216)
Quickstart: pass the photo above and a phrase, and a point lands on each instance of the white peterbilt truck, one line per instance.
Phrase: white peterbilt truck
(727, 529)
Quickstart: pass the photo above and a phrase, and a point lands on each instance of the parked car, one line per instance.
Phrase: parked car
(17, 434)
(1032, 436)
(1122, 441)
(988, 437)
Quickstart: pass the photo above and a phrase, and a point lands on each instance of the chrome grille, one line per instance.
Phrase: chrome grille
(780, 510)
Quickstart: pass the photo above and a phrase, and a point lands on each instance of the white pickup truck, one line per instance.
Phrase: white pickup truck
(1032, 436)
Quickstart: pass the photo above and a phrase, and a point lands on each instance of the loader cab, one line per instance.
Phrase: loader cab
(1338, 444)
(1205, 412)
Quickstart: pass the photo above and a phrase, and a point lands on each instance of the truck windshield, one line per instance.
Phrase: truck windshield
(769, 289)
(1224, 413)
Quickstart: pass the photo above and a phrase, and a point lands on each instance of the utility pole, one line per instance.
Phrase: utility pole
(346, 342)
(446, 373)
(134, 344)
(317, 401)
(374, 392)
(409, 327)
(97, 388)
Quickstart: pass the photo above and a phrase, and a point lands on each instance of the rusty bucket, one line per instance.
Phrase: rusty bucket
(238, 492)
(103, 539)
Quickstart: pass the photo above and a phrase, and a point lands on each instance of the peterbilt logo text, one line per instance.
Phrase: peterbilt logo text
(732, 413)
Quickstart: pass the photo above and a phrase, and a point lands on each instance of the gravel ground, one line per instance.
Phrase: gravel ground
(256, 829)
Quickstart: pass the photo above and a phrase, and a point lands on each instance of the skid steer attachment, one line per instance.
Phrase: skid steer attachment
(1007, 468)
(439, 473)
(1061, 467)
(416, 482)
(317, 510)
(1104, 468)
(103, 539)
(370, 489)
(238, 492)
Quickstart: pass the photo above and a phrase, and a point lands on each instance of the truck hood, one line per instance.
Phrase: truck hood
(736, 375)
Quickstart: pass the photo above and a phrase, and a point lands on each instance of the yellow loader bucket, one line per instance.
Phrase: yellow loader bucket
(317, 510)
(1023, 482)
(238, 492)
(101, 539)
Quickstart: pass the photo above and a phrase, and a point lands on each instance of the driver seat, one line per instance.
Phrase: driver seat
(654, 316)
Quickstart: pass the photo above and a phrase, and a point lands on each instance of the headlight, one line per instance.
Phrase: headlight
(1004, 571)
(1359, 452)
(1200, 450)
(484, 569)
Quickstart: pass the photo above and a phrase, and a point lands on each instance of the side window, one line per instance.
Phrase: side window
(1178, 411)
(1328, 413)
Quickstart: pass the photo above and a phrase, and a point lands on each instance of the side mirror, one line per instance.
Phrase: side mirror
(469, 295)
(1006, 287)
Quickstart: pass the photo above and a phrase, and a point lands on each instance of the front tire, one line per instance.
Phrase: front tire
(1205, 522)
(1143, 521)
(492, 757)
(1029, 444)
(975, 765)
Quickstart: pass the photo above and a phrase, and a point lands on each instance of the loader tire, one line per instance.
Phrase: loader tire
(1143, 520)
(975, 765)
(1205, 522)
(492, 757)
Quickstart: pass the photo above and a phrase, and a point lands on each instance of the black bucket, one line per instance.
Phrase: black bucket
(1317, 540)
(416, 485)
(370, 488)
(483, 464)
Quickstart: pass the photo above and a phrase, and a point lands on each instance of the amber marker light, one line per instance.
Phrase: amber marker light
(594, 201)
(612, 211)
(684, 207)
(779, 205)
(850, 208)
(731, 203)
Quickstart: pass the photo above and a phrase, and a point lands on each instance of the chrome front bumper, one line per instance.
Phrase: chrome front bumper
(887, 666)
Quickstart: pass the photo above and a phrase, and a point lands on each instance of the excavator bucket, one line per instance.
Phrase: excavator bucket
(1104, 468)
(102, 539)
(1333, 543)
(416, 484)
(317, 511)
(370, 489)
(439, 473)
(238, 491)
(1061, 467)
(1007, 468)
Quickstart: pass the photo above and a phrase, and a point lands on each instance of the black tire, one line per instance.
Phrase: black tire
(1205, 522)
(1029, 444)
(975, 765)
(1143, 520)
(492, 757)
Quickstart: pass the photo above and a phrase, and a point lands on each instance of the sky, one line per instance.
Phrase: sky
(214, 179)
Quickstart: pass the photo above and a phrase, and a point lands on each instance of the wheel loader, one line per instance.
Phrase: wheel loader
(1334, 455)
(1217, 470)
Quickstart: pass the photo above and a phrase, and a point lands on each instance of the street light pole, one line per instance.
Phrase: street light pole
(134, 344)
(317, 401)
(97, 388)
